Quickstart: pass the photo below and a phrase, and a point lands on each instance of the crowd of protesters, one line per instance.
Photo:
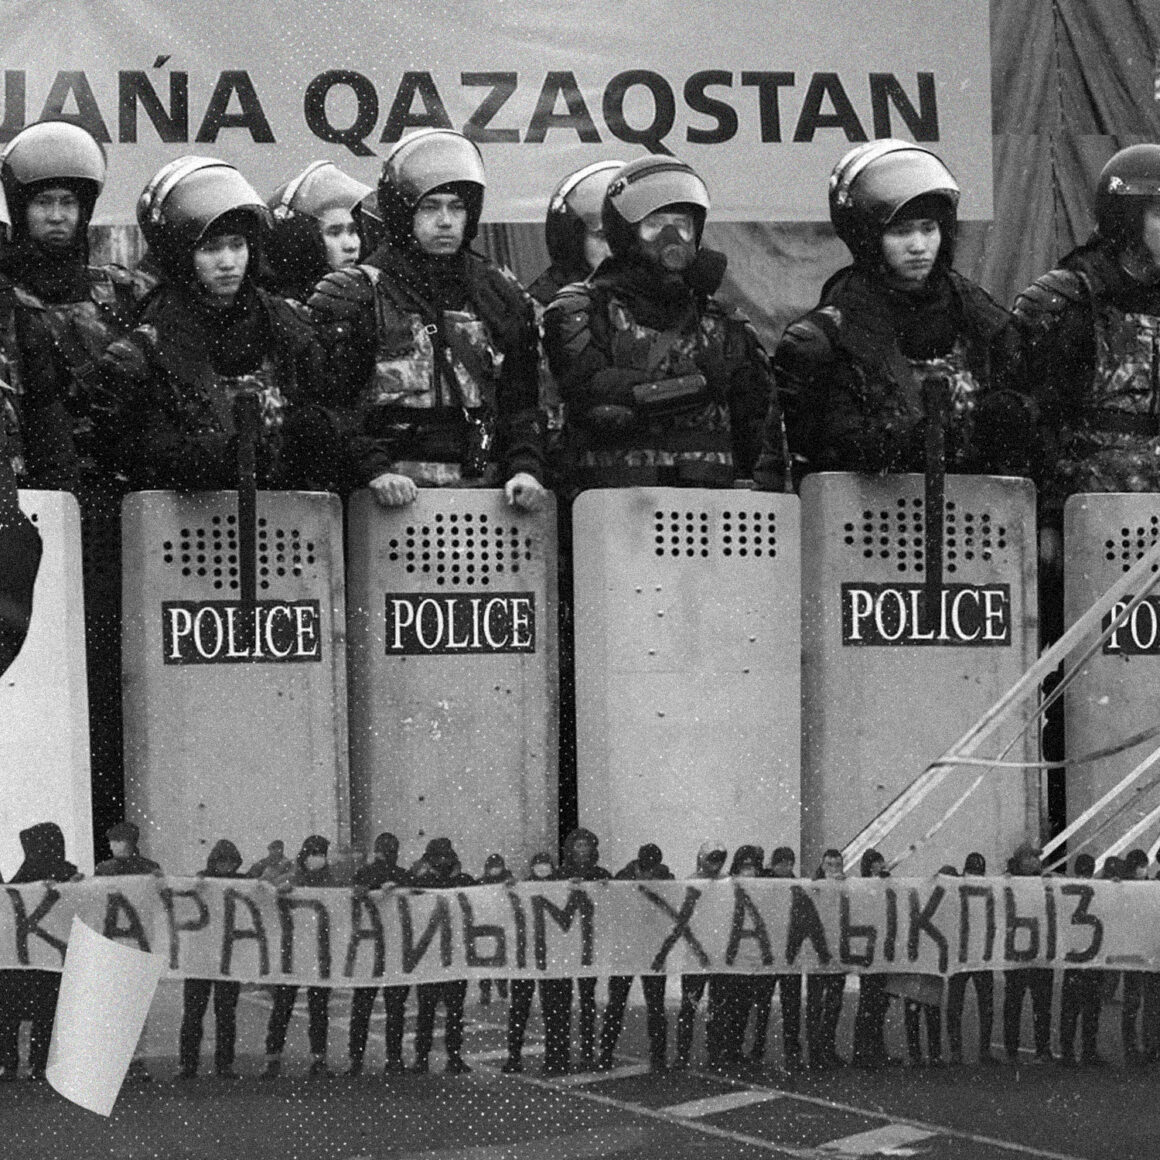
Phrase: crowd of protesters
(737, 1007)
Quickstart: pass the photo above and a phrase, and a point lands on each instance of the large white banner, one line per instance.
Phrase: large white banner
(762, 99)
(251, 932)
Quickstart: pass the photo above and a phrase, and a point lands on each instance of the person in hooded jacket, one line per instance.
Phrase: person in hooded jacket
(312, 869)
(440, 869)
(975, 865)
(495, 872)
(214, 360)
(31, 995)
(1081, 998)
(711, 865)
(648, 865)
(873, 998)
(579, 862)
(317, 228)
(381, 872)
(224, 861)
(824, 992)
(126, 858)
(541, 869)
(433, 351)
(732, 996)
(1036, 981)
(781, 865)
(899, 335)
(661, 382)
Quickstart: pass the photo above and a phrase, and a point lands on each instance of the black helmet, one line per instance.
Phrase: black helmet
(644, 186)
(874, 185)
(295, 249)
(185, 198)
(424, 162)
(319, 187)
(1124, 188)
(49, 153)
(575, 208)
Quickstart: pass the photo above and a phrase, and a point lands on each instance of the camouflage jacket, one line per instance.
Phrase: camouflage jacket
(611, 338)
(448, 396)
(854, 400)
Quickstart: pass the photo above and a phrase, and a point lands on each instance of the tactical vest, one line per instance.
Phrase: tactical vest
(406, 375)
(963, 393)
(1126, 374)
(81, 332)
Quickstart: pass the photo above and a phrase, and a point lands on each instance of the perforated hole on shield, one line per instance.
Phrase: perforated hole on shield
(461, 550)
(892, 532)
(281, 552)
(969, 536)
(749, 533)
(683, 533)
(207, 551)
(1132, 542)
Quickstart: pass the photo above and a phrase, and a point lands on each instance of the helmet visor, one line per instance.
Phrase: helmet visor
(430, 158)
(635, 195)
(189, 195)
(884, 184)
(57, 149)
(320, 187)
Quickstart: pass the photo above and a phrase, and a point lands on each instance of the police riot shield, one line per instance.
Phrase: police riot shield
(453, 673)
(1114, 695)
(687, 669)
(235, 709)
(44, 712)
(895, 673)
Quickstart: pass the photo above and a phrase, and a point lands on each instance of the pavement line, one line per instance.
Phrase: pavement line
(501, 1053)
(593, 1144)
(876, 1141)
(580, 1078)
(711, 1105)
(875, 1114)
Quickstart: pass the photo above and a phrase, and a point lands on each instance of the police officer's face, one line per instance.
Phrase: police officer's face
(53, 215)
(909, 249)
(220, 265)
(440, 223)
(595, 245)
(340, 238)
(668, 237)
(1150, 230)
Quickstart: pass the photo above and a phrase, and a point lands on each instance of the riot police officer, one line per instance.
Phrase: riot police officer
(433, 350)
(662, 383)
(1092, 330)
(317, 228)
(851, 373)
(574, 229)
(214, 358)
(57, 315)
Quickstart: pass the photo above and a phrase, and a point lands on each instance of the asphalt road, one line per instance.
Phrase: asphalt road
(950, 1113)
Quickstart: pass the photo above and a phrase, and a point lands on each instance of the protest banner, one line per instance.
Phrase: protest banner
(249, 931)
(760, 99)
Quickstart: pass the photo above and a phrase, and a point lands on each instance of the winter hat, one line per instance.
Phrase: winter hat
(782, 854)
(439, 850)
(649, 856)
(975, 864)
(387, 846)
(224, 851)
(315, 844)
(123, 832)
